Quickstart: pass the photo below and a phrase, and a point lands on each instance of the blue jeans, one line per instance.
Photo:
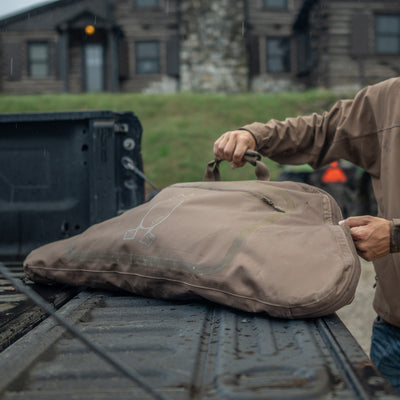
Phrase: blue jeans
(385, 351)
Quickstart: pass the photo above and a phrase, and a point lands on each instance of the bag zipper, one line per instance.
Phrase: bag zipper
(260, 196)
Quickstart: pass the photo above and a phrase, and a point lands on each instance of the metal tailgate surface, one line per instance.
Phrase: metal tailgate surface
(18, 315)
(187, 351)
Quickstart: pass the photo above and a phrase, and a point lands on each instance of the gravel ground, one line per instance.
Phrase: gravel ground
(359, 315)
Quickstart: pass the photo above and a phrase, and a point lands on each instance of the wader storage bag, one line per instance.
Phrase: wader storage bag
(258, 246)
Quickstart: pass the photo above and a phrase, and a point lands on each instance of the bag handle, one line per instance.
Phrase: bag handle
(253, 157)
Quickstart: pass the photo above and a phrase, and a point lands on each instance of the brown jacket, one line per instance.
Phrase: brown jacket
(365, 131)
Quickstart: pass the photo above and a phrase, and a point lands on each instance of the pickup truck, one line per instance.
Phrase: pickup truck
(62, 172)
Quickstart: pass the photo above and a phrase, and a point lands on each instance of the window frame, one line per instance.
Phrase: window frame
(385, 35)
(287, 63)
(146, 7)
(268, 7)
(139, 59)
(43, 62)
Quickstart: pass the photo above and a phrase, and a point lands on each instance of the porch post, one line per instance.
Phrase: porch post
(63, 60)
(113, 59)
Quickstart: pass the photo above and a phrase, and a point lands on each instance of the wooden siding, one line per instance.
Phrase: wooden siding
(137, 25)
(24, 83)
(332, 31)
(265, 23)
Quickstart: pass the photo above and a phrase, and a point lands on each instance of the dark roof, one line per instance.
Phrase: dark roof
(24, 9)
(33, 11)
(50, 15)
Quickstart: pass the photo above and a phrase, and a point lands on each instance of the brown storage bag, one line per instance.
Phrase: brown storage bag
(258, 246)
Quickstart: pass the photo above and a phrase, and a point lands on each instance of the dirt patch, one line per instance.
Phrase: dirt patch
(359, 315)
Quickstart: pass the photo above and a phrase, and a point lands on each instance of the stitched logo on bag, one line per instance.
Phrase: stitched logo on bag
(154, 217)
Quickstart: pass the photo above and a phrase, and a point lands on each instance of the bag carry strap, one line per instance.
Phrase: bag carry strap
(262, 173)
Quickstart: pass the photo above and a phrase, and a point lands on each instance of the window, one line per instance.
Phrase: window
(38, 60)
(387, 34)
(146, 3)
(278, 55)
(147, 56)
(275, 4)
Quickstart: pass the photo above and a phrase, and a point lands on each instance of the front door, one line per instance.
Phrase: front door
(94, 67)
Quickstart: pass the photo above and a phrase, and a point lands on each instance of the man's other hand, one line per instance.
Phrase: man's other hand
(371, 235)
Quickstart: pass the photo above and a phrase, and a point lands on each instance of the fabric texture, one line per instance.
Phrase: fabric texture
(258, 246)
(365, 131)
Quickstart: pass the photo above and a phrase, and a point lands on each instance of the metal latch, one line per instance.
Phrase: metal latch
(120, 127)
(128, 164)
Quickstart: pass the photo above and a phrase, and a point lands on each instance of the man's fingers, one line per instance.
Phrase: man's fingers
(356, 221)
(238, 165)
(225, 146)
(239, 153)
(219, 146)
(232, 146)
(359, 232)
(232, 150)
(362, 249)
(371, 235)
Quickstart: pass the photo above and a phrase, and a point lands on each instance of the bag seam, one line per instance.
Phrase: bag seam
(183, 283)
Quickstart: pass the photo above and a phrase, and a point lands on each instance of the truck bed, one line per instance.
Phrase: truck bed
(182, 350)
(61, 173)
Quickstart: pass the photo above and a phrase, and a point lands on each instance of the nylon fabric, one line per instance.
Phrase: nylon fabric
(258, 246)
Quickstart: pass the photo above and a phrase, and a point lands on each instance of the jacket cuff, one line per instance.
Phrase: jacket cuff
(260, 133)
(252, 134)
(395, 235)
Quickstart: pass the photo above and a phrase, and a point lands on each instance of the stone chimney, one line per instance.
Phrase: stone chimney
(213, 46)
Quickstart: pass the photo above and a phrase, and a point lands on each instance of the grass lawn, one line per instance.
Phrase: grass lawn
(179, 130)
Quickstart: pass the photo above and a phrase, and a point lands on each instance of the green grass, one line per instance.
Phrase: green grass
(179, 130)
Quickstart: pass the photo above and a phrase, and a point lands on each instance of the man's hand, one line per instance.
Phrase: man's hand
(232, 146)
(371, 236)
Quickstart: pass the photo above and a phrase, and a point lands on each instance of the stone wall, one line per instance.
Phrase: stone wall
(213, 46)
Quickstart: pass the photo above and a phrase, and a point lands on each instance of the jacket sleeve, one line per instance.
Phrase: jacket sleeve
(348, 131)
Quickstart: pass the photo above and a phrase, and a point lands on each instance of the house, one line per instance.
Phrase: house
(347, 43)
(190, 45)
(89, 45)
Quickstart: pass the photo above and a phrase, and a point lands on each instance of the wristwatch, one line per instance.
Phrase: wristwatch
(395, 235)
